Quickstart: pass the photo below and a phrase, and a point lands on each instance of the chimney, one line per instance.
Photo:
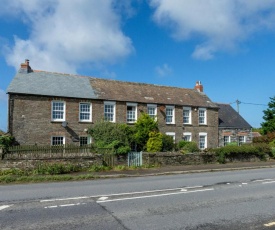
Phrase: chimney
(25, 67)
(199, 86)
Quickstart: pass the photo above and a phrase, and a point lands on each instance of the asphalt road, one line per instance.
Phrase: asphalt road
(218, 200)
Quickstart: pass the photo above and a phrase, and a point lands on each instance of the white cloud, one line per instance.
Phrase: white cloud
(163, 70)
(216, 25)
(66, 34)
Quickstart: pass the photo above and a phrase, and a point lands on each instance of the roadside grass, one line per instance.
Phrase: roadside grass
(59, 172)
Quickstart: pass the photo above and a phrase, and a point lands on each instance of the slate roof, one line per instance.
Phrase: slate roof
(230, 118)
(75, 86)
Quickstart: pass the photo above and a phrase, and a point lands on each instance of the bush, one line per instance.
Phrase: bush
(154, 144)
(6, 141)
(182, 143)
(244, 151)
(112, 135)
(190, 147)
(167, 143)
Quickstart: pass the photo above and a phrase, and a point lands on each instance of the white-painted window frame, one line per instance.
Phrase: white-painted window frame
(172, 108)
(131, 112)
(55, 110)
(204, 117)
(189, 115)
(113, 104)
(226, 142)
(63, 139)
(153, 107)
(85, 112)
(203, 134)
(187, 134)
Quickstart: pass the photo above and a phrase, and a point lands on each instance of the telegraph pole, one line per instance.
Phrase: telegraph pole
(238, 102)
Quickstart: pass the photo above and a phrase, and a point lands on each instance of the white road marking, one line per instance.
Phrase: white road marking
(244, 183)
(194, 187)
(103, 198)
(269, 224)
(268, 182)
(64, 199)
(262, 180)
(64, 205)
(157, 195)
(4, 207)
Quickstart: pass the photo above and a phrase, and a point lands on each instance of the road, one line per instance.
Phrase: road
(218, 200)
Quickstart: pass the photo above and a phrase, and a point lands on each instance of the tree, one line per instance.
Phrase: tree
(112, 135)
(144, 125)
(154, 143)
(269, 117)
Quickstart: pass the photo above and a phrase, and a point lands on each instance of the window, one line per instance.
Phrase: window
(226, 140)
(170, 118)
(202, 140)
(84, 140)
(187, 115)
(58, 110)
(242, 140)
(202, 116)
(172, 134)
(85, 112)
(58, 140)
(131, 112)
(152, 110)
(109, 111)
(187, 136)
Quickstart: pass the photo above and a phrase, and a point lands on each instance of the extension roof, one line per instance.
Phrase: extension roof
(75, 86)
(230, 118)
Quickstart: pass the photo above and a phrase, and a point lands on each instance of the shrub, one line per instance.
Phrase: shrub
(167, 143)
(6, 141)
(190, 147)
(154, 144)
(182, 143)
(112, 135)
(144, 125)
(244, 151)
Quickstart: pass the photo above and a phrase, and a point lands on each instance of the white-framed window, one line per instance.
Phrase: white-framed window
(85, 140)
(202, 140)
(170, 114)
(85, 111)
(241, 140)
(131, 112)
(187, 136)
(58, 111)
(187, 118)
(202, 116)
(57, 140)
(226, 140)
(172, 134)
(152, 110)
(110, 111)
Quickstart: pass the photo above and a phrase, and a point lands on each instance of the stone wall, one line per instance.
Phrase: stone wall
(234, 135)
(175, 159)
(157, 159)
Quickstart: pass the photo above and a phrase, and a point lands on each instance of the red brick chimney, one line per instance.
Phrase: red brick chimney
(199, 86)
(25, 67)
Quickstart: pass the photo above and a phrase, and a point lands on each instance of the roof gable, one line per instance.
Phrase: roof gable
(230, 118)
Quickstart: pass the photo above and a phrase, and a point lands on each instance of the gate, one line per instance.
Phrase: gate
(134, 159)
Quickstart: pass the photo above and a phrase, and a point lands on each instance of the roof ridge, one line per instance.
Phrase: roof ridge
(106, 79)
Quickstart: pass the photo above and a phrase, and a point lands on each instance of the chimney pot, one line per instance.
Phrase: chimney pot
(25, 67)
(199, 86)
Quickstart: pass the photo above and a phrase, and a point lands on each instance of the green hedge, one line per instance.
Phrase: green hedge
(244, 151)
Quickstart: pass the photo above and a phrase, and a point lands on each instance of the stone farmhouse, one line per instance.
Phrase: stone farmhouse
(55, 108)
(233, 127)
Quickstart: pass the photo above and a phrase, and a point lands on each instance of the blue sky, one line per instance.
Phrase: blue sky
(228, 45)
